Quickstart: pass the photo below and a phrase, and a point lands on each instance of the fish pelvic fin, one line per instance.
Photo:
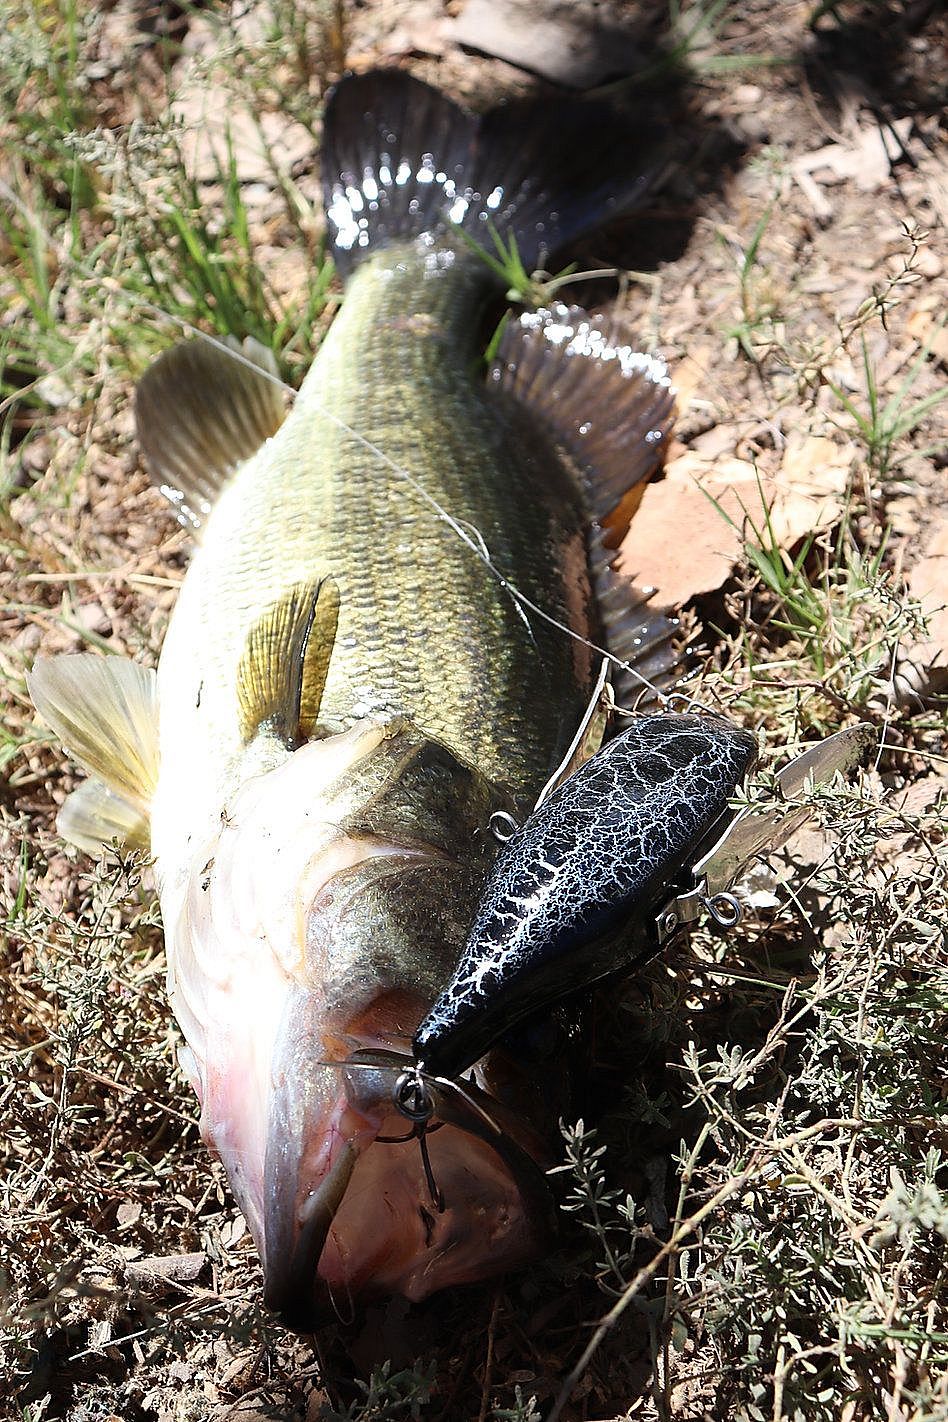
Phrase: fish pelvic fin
(93, 817)
(611, 408)
(200, 412)
(401, 159)
(105, 712)
(282, 672)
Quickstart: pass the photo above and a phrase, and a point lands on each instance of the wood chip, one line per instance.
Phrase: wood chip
(156, 1270)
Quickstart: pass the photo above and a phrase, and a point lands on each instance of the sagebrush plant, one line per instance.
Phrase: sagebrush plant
(820, 1281)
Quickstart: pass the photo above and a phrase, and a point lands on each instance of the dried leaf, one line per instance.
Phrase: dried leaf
(809, 493)
(688, 534)
(679, 542)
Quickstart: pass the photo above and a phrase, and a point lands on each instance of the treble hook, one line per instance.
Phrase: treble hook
(414, 1101)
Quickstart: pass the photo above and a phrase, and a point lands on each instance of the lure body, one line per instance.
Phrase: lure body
(571, 896)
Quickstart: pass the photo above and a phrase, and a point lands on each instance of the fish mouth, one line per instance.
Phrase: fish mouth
(386, 1204)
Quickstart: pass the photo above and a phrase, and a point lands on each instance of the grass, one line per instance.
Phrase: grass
(690, 46)
(753, 1201)
(85, 208)
(836, 605)
(884, 424)
(759, 309)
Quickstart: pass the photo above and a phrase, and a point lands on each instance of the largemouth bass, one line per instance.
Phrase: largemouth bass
(386, 636)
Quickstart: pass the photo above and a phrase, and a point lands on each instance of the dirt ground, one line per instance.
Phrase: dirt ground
(789, 262)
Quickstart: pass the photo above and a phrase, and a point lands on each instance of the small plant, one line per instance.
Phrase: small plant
(835, 605)
(688, 46)
(401, 1394)
(757, 330)
(522, 1411)
(608, 1214)
(883, 425)
(531, 289)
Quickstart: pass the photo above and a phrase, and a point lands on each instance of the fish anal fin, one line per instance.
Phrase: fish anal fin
(608, 405)
(646, 641)
(105, 712)
(93, 817)
(283, 669)
(200, 412)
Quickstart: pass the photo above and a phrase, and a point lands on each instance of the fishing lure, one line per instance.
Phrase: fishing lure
(624, 850)
(619, 858)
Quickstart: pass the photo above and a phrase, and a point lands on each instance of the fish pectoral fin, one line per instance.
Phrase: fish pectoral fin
(93, 817)
(105, 712)
(283, 669)
(200, 412)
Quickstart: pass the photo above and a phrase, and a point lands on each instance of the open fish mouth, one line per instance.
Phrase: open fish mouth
(415, 1184)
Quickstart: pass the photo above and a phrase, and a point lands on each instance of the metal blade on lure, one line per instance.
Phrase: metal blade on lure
(757, 831)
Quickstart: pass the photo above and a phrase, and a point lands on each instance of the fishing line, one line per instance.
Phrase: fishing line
(476, 544)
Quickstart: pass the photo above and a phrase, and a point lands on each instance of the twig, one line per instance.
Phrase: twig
(489, 1360)
(606, 1323)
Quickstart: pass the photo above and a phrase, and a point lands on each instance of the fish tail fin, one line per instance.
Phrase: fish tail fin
(401, 159)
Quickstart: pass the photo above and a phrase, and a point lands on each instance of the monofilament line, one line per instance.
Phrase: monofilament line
(474, 541)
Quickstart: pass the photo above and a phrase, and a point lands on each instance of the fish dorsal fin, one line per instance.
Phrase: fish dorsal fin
(93, 816)
(610, 406)
(200, 412)
(105, 712)
(283, 669)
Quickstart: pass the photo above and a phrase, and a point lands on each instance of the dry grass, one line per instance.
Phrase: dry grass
(767, 1221)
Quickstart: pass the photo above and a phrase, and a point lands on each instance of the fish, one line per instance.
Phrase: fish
(387, 636)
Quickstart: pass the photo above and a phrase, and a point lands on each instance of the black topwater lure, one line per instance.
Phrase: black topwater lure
(626, 852)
